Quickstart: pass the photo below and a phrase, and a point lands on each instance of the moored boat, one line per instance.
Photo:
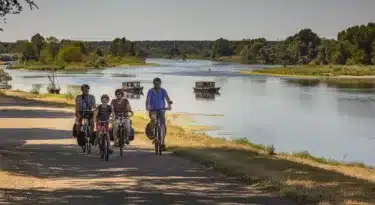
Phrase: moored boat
(132, 86)
(206, 86)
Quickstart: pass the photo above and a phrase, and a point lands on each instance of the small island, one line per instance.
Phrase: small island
(52, 54)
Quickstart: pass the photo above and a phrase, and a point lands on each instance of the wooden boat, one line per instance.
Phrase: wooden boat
(132, 86)
(206, 86)
(53, 88)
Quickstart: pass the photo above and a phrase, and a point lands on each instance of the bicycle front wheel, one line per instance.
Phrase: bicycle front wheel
(160, 142)
(101, 146)
(106, 148)
(121, 141)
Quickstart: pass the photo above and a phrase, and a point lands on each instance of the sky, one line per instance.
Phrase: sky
(185, 19)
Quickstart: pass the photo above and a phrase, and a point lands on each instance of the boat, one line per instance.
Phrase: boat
(132, 86)
(206, 86)
(53, 88)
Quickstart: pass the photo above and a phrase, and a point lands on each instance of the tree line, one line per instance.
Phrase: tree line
(354, 45)
(50, 50)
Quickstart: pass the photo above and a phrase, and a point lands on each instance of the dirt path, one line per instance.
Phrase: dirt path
(41, 164)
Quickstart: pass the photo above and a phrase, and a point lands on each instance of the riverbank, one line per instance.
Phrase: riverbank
(127, 62)
(299, 176)
(318, 72)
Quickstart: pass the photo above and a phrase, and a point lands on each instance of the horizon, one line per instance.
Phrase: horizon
(185, 21)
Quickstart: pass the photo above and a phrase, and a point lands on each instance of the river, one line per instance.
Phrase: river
(327, 122)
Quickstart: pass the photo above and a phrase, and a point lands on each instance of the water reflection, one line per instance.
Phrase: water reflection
(353, 84)
(302, 82)
(206, 96)
(135, 96)
(122, 75)
(34, 76)
(258, 80)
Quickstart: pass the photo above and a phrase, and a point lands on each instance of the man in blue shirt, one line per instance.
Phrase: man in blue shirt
(155, 104)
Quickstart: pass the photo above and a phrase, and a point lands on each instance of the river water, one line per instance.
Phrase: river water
(325, 121)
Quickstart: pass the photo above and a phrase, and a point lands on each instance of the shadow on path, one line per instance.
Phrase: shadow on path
(15, 113)
(138, 177)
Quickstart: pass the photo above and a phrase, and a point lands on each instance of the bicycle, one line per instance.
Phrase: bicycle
(123, 138)
(104, 141)
(86, 115)
(157, 133)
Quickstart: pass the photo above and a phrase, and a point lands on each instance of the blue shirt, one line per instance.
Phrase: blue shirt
(156, 100)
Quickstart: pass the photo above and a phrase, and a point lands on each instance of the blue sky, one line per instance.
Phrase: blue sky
(186, 19)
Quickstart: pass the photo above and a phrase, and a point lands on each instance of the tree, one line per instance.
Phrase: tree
(52, 46)
(245, 54)
(38, 42)
(222, 47)
(28, 52)
(70, 53)
(360, 38)
(13, 7)
(99, 52)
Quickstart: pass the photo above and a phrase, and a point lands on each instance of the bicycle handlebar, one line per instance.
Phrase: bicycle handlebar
(107, 121)
(124, 114)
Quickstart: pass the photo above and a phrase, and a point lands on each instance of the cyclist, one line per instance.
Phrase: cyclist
(103, 113)
(155, 104)
(85, 101)
(120, 105)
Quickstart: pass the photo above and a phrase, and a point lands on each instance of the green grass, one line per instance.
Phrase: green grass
(109, 61)
(307, 155)
(317, 70)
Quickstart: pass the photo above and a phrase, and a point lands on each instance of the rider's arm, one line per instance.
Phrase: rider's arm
(93, 102)
(128, 108)
(167, 97)
(148, 99)
(77, 106)
(113, 111)
(96, 112)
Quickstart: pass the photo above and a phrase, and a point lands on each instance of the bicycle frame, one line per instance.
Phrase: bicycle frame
(121, 132)
(86, 129)
(102, 129)
(159, 136)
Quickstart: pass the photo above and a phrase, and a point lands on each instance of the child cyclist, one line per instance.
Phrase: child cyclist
(102, 114)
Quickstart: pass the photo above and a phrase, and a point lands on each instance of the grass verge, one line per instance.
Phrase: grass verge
(298, 176)
(316, 71)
